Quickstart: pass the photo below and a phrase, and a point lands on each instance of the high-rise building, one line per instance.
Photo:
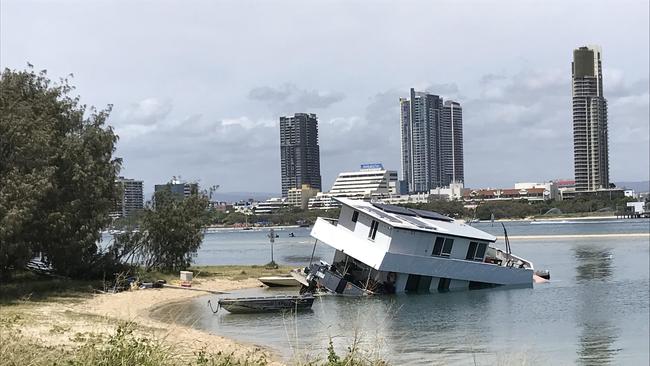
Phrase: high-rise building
(299, 152)
(590, 145)
(131, 197)
(178, 188)
(431, 142)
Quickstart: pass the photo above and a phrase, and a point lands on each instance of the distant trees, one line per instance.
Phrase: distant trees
(57, 174)
(169, 234)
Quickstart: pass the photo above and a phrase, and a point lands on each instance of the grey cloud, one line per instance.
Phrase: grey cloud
(443, 89)
(266, 93)
(146, 112)
(488, 78)
(289, 98)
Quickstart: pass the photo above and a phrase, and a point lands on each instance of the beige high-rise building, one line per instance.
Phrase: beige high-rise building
(590, 138)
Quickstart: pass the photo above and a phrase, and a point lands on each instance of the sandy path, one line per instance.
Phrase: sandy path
(57, 322)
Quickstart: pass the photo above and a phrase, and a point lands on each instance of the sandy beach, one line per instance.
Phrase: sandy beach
(59, 323)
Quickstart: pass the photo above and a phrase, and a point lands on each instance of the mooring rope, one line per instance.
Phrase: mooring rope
(212, 309)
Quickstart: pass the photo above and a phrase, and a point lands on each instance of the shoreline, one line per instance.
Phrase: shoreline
(576, 236)
(58, 322)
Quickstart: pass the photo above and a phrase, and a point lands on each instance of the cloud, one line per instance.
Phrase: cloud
(146, 112)
(288, 98)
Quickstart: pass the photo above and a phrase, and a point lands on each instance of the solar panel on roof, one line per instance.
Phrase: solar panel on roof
(416, 222)
(394, 209)
(382, 214)
(412, 212)
(431, 215)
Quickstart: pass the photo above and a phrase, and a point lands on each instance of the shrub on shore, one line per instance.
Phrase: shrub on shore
(125, 347)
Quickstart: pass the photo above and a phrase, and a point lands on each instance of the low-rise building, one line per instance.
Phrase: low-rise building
(272, 205)
(406, 198)
(566, 188)
(371, 181)
(299, 197)
(453, 192)
(506, 194)
(550, 189)
(244, 207)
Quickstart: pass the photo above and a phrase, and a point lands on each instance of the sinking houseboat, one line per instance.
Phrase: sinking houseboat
(386, 249)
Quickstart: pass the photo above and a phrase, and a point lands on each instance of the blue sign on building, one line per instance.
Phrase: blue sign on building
(372, 166)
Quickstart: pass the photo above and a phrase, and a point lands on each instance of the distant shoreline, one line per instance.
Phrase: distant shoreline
(576, 236)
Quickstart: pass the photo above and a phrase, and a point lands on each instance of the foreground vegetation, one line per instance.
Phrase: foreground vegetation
(34, 306)
(126, 347)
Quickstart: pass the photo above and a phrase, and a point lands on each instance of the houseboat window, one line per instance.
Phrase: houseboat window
(437, 247)
(480, 251)
(373, 229)
(355, 216)
(471, 251)
(446, 249)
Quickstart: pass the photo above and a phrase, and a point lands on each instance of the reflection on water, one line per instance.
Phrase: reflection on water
(596, 343)
(594, 264)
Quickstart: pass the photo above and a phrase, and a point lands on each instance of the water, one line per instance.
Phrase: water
(594, 311)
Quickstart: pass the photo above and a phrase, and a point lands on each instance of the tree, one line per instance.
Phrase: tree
(170, 234)
(57, 174)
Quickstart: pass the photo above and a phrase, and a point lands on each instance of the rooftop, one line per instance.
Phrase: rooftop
(418, 220)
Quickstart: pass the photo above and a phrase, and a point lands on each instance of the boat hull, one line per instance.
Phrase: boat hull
(279, 281)
(248, 305)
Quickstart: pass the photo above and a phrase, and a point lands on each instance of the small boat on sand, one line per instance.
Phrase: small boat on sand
(279, 281)
(243, 305)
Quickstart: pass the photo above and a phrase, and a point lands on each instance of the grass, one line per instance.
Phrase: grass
(234, 272)
(125, 346)
(116, 343)
(26, 286)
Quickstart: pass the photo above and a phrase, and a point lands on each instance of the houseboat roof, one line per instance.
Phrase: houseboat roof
(418, 220)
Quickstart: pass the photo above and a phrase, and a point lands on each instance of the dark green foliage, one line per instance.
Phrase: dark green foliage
(523, 208)
(170, 234)
(57, 174)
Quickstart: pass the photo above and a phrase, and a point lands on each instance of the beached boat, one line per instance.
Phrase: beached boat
(279, 281)
(242, 305)
(386, 249)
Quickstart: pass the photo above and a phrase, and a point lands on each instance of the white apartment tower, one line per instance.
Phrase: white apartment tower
(431, 142)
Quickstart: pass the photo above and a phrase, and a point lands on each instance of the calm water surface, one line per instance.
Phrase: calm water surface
(594, 311)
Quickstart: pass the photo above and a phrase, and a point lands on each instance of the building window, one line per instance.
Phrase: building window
(476, 251)
(373, 230)
(471, 251)
(480, 251)
(355, 216)
(437, 247)
(446, 249)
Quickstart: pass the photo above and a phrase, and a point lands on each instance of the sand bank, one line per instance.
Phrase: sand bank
(58, 323)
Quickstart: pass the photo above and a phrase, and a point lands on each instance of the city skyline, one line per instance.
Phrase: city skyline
(182, 107)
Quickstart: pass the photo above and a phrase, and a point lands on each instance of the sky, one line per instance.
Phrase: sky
(197, 87)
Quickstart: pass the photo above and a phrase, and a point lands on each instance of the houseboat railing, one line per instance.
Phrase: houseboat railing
(330, 220)
(511, 260)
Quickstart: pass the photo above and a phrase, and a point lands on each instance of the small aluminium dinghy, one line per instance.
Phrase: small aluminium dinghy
(241, 305)
(279, 281)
